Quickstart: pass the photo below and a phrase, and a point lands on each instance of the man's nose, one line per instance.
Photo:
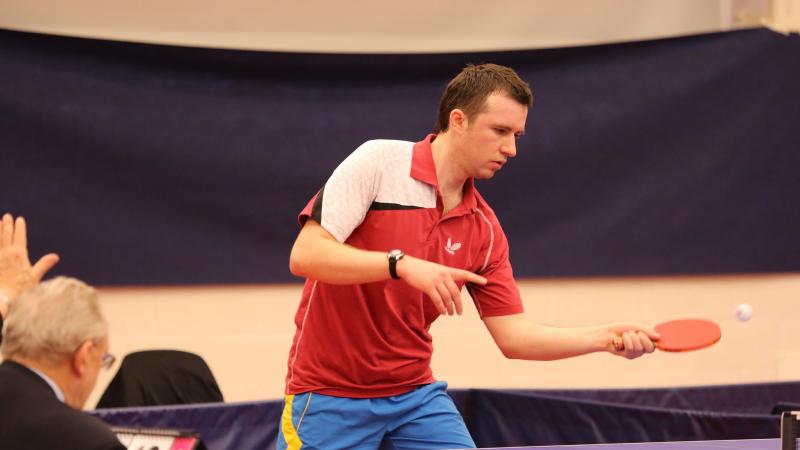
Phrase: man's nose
(509, 148)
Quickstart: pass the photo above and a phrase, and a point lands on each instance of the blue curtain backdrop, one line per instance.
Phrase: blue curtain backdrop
(145, 164)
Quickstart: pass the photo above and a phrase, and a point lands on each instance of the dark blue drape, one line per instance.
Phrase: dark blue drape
(146, 164)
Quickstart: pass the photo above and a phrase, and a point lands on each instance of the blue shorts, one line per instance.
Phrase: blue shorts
(424, 418)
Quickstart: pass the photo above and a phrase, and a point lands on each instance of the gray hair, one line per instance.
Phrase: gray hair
(51, 320)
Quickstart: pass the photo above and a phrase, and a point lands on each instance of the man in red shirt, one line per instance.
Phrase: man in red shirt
(386, 246)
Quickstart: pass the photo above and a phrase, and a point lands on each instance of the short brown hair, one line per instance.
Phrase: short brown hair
(469, 89)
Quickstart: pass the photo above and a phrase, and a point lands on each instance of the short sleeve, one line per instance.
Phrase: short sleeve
(500, 296)
(341, 205)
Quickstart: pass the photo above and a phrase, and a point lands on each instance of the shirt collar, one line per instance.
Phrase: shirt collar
(424, 169)
(422, 166)
(56, 390)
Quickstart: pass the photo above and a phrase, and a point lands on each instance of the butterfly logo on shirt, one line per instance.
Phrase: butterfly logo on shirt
(452, 247)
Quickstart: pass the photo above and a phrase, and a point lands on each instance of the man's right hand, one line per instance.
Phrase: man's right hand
(437, 281)
(318, 255)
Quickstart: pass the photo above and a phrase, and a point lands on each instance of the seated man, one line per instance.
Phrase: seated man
(55, 341)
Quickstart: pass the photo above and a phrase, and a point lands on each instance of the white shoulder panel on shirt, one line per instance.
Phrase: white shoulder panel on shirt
(396, 185)
(377, 171)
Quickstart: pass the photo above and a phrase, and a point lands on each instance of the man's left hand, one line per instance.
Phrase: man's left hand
(631, 341)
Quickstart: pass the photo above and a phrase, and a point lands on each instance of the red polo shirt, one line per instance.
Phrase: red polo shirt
(373, 340)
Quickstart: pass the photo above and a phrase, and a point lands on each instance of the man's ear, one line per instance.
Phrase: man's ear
(80, 358)
(458, 120)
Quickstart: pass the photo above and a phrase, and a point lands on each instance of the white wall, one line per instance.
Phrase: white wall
(383, 26)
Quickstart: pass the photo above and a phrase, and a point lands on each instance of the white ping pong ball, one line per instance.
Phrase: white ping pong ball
(744, 312)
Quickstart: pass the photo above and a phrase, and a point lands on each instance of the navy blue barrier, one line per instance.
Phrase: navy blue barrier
(514, 419)
(756, 398)
(530, 417)
(223, 426)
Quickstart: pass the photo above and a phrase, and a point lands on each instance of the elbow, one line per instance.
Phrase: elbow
(295, 268)
(297, 264)
(510, 351)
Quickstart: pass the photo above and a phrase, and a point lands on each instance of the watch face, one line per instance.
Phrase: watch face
(395, 253)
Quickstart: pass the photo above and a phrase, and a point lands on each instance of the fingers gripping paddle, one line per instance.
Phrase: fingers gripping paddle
(687, 334)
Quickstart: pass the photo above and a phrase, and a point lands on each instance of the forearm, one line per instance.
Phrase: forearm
(336, 263)
(519, 338)
(317, 255)
(544, 343)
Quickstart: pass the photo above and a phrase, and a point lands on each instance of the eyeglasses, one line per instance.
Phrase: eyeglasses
(107, 361)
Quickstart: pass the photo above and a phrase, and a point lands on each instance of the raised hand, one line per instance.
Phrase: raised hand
(16, 271)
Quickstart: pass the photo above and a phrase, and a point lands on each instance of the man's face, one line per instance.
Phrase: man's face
(489, 138)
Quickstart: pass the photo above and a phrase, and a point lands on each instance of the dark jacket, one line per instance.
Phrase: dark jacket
(32, 417)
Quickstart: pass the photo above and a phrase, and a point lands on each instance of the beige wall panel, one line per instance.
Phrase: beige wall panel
(381, 26)
(244, 333)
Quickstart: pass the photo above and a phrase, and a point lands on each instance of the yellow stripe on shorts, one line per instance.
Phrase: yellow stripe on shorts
(289, 432)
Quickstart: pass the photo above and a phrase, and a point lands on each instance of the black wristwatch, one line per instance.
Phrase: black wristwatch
(394, 256)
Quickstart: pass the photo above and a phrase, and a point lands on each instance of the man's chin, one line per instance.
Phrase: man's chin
(485, 175)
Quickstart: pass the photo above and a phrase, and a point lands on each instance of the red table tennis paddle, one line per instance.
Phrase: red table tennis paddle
(687, 334)
(683, 335)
